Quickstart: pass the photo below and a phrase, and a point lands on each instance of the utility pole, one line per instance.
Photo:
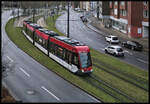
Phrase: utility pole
(97, 9)
(18, 10)
(68, 22)
(33, 15)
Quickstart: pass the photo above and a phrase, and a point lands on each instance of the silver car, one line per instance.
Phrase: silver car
(114, 50)
(112, 39)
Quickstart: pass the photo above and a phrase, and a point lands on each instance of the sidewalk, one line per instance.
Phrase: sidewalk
(98, 27)
(41, 22)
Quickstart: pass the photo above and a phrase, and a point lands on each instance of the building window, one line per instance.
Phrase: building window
(116, 3)
(122, 3)
(145, 13)
(115, 11)
(112, 11)
(124, 13)
(121, 12)
(145, 2)
(110, 3)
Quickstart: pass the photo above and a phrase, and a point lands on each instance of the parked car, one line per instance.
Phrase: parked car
(76, 9)
(84, 19)
(112, 39)
(114, 50)
(132, 45)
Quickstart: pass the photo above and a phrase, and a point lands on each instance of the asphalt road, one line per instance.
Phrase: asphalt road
(78, 30)
(29, 81)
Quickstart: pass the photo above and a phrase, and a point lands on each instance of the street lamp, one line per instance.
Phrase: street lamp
(97, 9)
(68, 22)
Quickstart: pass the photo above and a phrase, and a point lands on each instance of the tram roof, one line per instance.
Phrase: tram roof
(46, 31)
(70, 41)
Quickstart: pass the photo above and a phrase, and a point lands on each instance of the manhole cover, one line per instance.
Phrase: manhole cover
(30, 92)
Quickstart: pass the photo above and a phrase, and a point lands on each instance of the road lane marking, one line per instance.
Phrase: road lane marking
(10, 59)
(94, 98)
(142, 61)
(50, 92)
(24, 72)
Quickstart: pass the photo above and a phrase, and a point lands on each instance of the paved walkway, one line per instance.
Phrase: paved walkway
(41, 22)
(97, 26)
(19, 22)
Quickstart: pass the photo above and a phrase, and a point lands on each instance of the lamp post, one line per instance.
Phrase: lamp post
(33, 15)
(97, 9)
(68, 22)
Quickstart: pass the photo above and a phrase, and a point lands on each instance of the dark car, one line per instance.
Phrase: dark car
(132, 45)
(84, 19)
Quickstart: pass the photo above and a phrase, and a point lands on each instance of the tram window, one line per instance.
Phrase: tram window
(36, 37)
(59, 52)
(69, 57)
(51, 47)
(66, 55)
(55, 49)
(75, 59)
(63, 54)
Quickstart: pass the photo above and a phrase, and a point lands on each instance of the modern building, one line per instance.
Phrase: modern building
(130, 17)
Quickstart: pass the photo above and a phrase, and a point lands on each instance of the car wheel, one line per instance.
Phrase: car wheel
(132, 47)
(106, 51)
(114, 54)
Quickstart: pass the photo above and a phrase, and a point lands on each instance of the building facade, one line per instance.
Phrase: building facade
(85, 5)
(104, 12)
(130, 17)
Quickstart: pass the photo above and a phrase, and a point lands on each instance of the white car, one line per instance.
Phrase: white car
(112, 39)
(114, 50)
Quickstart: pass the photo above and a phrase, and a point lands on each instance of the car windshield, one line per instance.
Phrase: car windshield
(136, 42)
(115, 38)
(85, 59)
(119, 49)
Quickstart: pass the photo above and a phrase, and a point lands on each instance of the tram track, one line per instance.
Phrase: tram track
(135, 81)
(108, 89)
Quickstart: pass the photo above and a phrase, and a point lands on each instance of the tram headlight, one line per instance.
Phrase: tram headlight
(82, 70)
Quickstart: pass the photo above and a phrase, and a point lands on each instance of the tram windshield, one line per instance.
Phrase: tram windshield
(85, 60)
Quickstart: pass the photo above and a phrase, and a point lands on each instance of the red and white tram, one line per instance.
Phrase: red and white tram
(68, 52)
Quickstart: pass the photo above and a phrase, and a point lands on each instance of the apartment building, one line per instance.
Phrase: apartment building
(85, 5)
(145, 20)
(130, 17)
(104, 12)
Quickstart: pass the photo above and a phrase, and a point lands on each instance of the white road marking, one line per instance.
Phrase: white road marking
(142, 61)
(93, 98)
(10, 59)
(50, 92)
(24, 72)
